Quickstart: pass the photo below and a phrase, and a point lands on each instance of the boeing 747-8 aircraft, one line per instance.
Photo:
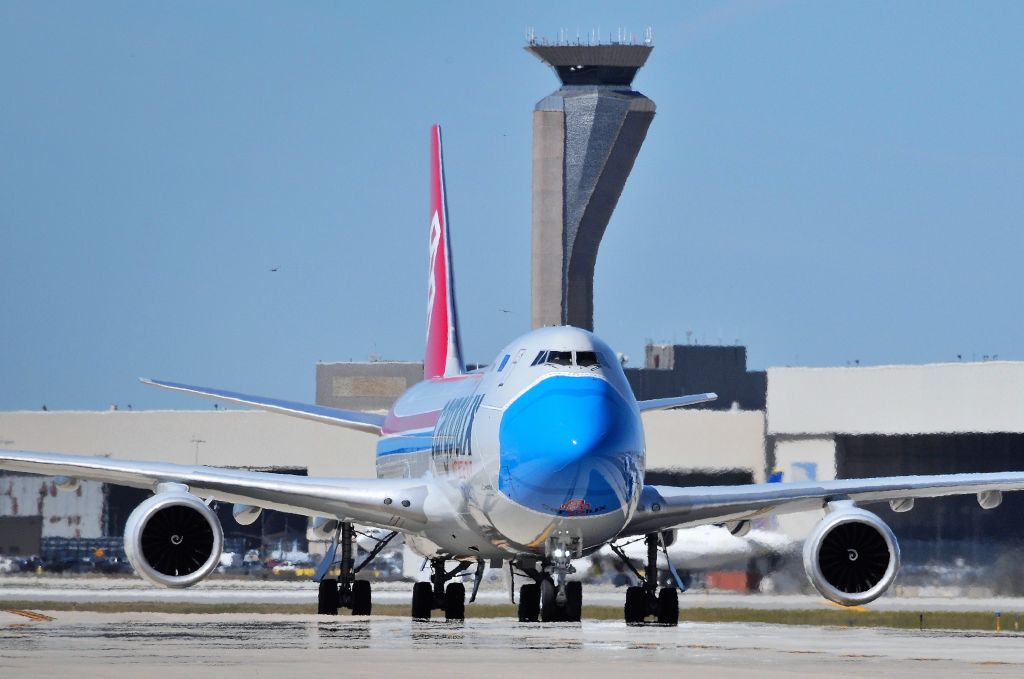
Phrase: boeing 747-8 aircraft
(532, 462)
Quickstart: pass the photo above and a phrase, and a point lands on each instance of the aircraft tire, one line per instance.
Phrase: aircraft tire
(362, 602)
(422, 600)
(455, 601)
(327, 597)
(636, 605)
(668, 606)
(529, 603)
(549, 609)
(573, 601)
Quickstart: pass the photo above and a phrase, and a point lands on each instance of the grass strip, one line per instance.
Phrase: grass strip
(837, 617)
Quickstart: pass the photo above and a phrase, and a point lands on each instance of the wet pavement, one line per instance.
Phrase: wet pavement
(137, 645)
(223, 591)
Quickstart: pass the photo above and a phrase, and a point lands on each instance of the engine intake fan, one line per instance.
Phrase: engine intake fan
(851, 557)
(173, 539)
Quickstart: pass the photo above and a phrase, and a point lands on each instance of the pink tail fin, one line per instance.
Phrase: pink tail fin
(444, 350)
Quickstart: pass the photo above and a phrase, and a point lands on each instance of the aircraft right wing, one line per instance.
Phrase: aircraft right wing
(352, 419)
(664, 507)
(396, 504)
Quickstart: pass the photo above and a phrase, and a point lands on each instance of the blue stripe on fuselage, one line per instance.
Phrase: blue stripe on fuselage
(414, 442)
(571, 446)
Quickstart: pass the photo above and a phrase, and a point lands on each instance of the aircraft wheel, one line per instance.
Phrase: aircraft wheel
(549, 611)
(529, 603)
(636, 605)
(573, 601)
(361, 599)
(668, 606)
(422, 600)
(327, 597)
(455, 601)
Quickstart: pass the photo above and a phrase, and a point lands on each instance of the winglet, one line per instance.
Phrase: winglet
(444, 349)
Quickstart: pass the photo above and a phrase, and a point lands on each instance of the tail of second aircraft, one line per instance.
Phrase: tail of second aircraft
(444, 348)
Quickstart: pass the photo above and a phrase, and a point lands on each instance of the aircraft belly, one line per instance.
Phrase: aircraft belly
(524, 530)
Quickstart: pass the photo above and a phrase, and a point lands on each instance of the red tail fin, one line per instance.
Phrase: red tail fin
(444, 349)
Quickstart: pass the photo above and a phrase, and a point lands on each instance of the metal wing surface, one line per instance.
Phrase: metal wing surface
(398, 504)
(352, 419)
(675, 401)
(663, 507)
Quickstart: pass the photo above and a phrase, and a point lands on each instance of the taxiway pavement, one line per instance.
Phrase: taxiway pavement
(221, 591)
(112, 646)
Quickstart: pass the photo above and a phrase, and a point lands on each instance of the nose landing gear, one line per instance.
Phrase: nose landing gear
(551, 597)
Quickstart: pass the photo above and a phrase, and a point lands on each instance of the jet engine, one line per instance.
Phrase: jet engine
(851, 557)
(173, 539)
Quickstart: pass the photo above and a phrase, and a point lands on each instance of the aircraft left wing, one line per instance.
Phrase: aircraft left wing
(396, 504)
(675, 401)
(664, 507)
(352, 419)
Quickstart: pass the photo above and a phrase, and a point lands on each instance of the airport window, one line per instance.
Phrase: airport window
(586, 359)
(559, 357)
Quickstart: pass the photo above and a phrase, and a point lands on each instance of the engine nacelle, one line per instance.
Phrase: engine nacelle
(173, 539)
(851, 557)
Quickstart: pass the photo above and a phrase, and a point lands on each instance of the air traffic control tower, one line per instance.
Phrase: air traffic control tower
(586, 136)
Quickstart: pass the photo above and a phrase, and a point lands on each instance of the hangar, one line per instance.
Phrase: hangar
(945, 418)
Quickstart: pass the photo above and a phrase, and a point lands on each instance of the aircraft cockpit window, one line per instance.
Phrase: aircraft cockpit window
(586, 359)
(559, 358)
(540, 358)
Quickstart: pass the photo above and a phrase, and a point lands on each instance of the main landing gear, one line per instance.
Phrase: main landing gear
(645, 600)
(346, 591)
(451, 598)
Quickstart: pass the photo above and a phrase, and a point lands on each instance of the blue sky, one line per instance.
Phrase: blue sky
(823, 182)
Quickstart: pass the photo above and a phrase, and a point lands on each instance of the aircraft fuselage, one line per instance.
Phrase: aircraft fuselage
(543, 448)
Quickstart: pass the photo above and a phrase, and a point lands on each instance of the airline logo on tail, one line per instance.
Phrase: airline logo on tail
(444, 351)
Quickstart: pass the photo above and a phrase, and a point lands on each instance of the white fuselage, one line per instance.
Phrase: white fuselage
(543, 448)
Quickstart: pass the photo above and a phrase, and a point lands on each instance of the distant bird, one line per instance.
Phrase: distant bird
(504, 311)
(275, 269)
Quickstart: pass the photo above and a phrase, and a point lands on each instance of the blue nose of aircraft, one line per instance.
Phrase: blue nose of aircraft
(570, 446)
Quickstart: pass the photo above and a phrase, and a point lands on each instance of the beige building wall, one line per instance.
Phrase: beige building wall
(942, 398)
(706, 439)
(804, 458)
(225, 438)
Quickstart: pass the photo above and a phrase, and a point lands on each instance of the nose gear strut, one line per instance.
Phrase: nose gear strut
(551, 597)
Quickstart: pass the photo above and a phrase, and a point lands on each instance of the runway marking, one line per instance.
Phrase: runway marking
(31, 615)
